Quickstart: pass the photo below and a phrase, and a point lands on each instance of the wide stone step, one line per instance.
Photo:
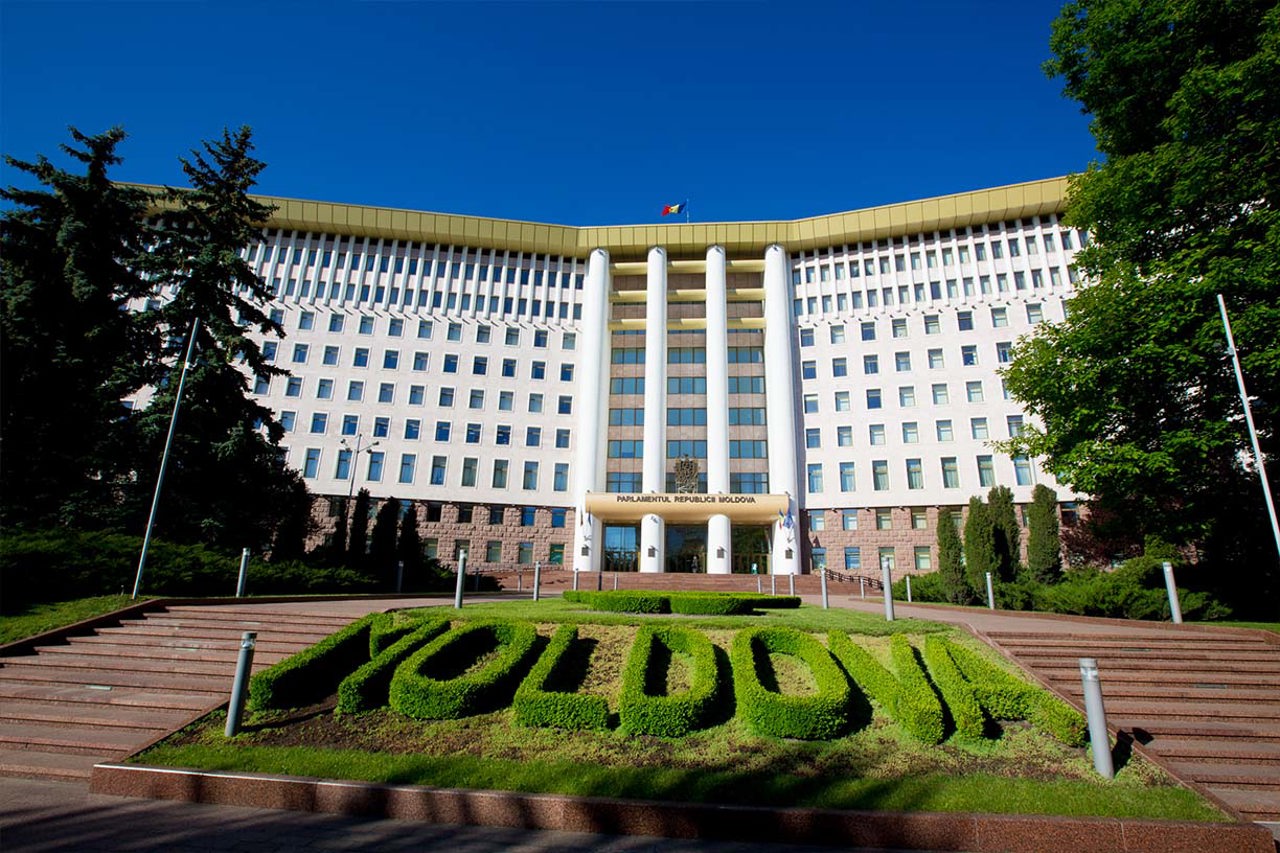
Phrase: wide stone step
(125, 697)
(1237, 775)
(307, 638)
(1061, 657)
(1127, 634)
(224, 613)
(1163, 730)
(1253, 803)
(124, 642)
(1225, 751)
(182, 664)
(1124, 667)
(1122, 709)
(35, 764)
(127, 652)
(84, 714)
(1202, 692)
(83, 740)
(1137, 642)
(1153, 676)
(175, 682)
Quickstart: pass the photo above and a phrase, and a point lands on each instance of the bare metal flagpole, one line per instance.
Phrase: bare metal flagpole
(1248, 419)
(164, 460)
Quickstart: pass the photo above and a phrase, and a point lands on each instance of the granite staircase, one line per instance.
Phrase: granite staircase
(70, 704)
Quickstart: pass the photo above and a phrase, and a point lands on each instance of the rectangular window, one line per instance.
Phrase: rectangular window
(355, 390)
(873, 398)
(814, 472)
(386, 392)
(876, 434)
(1022, 474)
(899, 327)
(438, 465)
(470, 468)
(407, 462)
(950, 473)
(880, 475)
(1004, 352)
(390, 359)
(999, 318)
(923, 560)
(884, 519)
(870, 364)
(443, 429)
(969, 355)
(978, 428)
(910, 432)
(311, 465)
(986, 472)
(530, 481)
(973, 391)
(493, 551)
(964, 320)
(932, 325)
(810, 404)
(919, 519)
(417, 393)
(361, 357)
(376, 459)
(943, 430)
(852, 558)
(935, 359)
(907, 396)
(848, 519)
(915, 474)
(812, 438)
(300, 353)
(846, 477)
(868, 330)
(839, 367)
(500, 467)
(844, 436)
(381, 427)
(560, 479)
(319, 422)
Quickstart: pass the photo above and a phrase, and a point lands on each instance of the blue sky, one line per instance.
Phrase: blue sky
(571, 112)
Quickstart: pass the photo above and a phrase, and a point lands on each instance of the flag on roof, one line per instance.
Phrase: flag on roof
(674, 208)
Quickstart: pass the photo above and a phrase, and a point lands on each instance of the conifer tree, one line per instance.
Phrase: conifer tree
(979, 546)
(409, 549)
(358, 544)
(382, 544)
(337, 554)
(1044, 547)
(72, 259)
(951, 561)
(1006, 536)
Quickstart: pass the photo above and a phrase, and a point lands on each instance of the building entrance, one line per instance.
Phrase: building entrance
(621, 547)
(686, 548)
(750, 547)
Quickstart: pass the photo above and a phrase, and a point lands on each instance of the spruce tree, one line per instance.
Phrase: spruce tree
(409, 550)
(1007, 537)
(979, 547)
(382, 545)
(227, 482)
(337, 551)
(1044, 547)
(72, 259)
(951, 561)
(358, 545)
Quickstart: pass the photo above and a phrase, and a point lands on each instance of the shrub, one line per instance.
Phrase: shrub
(536, 702)
(369, 686)
(628, 601)
(1007, 697)
(956, 692)
(315, 672)
(390, 628)
(574, 596)
(644, 706)
(927, 587)
(699, 603)
(768, 712)
(906, 697)
(435, 682)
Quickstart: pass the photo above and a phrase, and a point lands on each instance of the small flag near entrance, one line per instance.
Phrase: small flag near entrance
(671, 209)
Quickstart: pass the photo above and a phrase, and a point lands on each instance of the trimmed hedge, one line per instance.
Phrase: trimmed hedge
(688, 603)
(389, 628)
(536, 704)
(956, 691)
(668, 715)
(907, 697)
(369, 686)
(313, 673)
(1006, 697)
(767, 712)
(423, 687)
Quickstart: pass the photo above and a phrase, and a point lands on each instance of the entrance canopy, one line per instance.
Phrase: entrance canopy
(687, 508)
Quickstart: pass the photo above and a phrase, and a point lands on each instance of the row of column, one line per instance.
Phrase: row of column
(593, 387)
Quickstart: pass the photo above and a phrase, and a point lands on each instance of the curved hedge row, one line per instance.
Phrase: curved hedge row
(1006, 697)
(416, 692)
(369, 686)
(536, 705)
(315, 672)
(956, 691)
(668, 715)
(766, 712)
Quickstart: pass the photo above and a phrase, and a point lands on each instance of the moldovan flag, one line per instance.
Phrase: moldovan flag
(674, 208)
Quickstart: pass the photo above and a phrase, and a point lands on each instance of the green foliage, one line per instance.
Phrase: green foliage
(926, 587)
(49, 565)
(951, 579)
(711, 604)
(1135, 389)
(645, 706)
(689, 603)
(538, 702)
(389, 628)
(39, 618)
(907, 697)
(438, 683)
(358, 540)
(382, 545)
(369, 686)
(764, 710)
(957, 692)
(72, 257)
(979, 547)
(409, 550)
(313, 673)
(1044, 548)
(1006, 535)
(1006, 697)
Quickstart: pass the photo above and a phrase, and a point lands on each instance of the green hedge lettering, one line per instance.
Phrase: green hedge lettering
(657, 713)
(956, 692)
(369, 686)
(767, 712)
(315, 672)
(907, 697)
(537, 704)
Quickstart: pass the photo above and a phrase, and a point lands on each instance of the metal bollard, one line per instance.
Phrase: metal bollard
(462, 579)
(1099, 739)
(537, 579)
(240, 687)
(399, 576)
(825, 604)
(600, 580)
(791, 584)
(244, 571)
(908, 589)
(575, 578)
(862, 586)
(519, 581)
(991, 595)
(1175, 607)
(886, 578)
(773, 584)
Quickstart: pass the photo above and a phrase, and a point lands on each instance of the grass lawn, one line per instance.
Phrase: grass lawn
(39, 618)
(873, 765)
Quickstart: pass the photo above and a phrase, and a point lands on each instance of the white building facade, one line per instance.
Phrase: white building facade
(834, 381)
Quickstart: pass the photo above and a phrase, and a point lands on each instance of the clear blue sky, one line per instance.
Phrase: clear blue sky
(571, 112)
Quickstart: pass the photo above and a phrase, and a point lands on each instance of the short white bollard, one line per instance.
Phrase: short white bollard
(886, 578)
(537, 579)
(908, 589)
(825, 604)
(991, 595)
(1175, 607)
(1099, 738)
(462, 579)
(791, 584)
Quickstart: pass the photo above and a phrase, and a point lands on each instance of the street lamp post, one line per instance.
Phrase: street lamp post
(355, 458)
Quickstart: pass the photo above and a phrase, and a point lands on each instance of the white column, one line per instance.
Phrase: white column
(592, 402)
(652, 528)
(779, 388)
(719, 547)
